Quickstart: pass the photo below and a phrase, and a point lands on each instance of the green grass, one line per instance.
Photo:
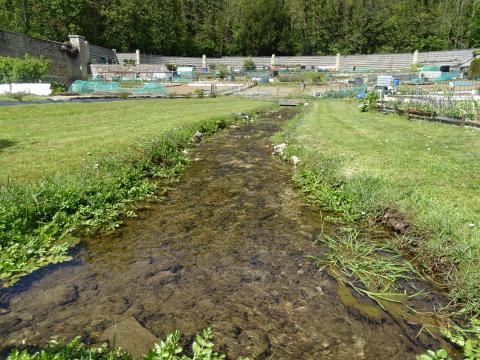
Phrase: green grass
(361, 164)
(57, 138)
(8, 97)
(370, 268)
(41, 218)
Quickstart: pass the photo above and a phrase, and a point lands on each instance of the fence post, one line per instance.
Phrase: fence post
(415, 57)
(137, 57)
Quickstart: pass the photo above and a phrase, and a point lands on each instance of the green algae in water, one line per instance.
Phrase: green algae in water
(368, 311)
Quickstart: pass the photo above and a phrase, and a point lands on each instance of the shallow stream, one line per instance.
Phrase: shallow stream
(226, 248)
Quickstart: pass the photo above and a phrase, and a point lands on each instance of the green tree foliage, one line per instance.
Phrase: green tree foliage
(252, 27)
(474, 69)
(26, 69)
(249, 64)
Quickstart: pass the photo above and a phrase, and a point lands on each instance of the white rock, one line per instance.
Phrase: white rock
(295, 160)
(279, 149)
(197, 137)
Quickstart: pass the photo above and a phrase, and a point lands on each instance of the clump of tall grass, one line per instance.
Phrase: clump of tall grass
(372, 269)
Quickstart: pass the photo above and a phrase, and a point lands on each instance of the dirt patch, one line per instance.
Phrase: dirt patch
(439, 268)
(396, 221)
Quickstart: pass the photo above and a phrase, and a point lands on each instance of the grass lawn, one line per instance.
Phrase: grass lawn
(58, 138)
(8, 97)
(428, 171)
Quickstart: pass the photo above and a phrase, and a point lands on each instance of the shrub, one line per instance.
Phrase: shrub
(19, 96)
(26, 69)
(124, 95)
(58, 88)
(249, 64)
(474, 70)
(171, 67)
(222, 71)
(199, 93)
(415, 67)
(369, 102)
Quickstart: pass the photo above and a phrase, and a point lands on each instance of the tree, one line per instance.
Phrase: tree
(249, 64)
(474, 69)
(251, 27)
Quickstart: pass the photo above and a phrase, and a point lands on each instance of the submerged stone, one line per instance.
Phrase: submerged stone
(131, 336)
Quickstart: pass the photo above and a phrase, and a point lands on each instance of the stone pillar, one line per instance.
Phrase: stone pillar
(204, 62)
(337, 62)
(115, 59)
(272, 63)
(137, 57)
(77, 67)
(415, 57)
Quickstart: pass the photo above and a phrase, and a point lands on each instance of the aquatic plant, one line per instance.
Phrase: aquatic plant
(434, 355)
(370, 268)
(467, 340)
(167, 349)
(170, 349)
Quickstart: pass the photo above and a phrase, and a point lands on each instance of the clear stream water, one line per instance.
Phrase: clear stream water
(225, 248)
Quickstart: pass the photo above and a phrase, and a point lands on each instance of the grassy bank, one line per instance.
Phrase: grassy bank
(57, 138)
(423, 176)
(39, 219)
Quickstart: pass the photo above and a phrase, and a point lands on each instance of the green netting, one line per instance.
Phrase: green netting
(362, 70)
(448, 76)
(90, 87)
(431, 68)
(99, 87)
(151, 88)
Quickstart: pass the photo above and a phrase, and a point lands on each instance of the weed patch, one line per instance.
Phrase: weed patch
(202, 348)
(371, 269)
